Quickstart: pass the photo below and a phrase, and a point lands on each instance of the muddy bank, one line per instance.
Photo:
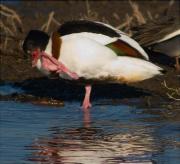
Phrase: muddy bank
(54, 92)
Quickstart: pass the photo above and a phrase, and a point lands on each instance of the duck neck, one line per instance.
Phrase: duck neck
(48, 49)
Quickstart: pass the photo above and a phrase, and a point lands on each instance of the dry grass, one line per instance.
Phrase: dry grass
(137, 14)
(12, 19)
(126, 26)
(10, 26)
(137, 18)
(91, 14)
(46, 26)
(172, 93)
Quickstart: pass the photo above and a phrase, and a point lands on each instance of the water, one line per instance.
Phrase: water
(103, 134)
(8, 89)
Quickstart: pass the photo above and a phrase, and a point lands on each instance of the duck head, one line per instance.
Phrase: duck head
(34, 43)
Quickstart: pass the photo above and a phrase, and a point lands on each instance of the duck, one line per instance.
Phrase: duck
(161, 35)
(89, 52)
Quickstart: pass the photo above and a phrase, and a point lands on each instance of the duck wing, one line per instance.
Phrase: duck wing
(156, 31)
(79, 26)
(121, 48)
(105, 34)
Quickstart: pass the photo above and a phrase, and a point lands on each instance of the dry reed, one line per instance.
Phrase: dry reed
(10, 25)
(172, 93)
(46, 26)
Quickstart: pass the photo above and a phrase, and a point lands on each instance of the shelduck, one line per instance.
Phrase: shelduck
(161, 35)
(91, 52)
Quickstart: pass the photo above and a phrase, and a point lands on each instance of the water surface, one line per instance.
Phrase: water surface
(103, 134)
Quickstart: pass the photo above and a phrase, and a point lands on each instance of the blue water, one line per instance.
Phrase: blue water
(104, 134)
(9, 89)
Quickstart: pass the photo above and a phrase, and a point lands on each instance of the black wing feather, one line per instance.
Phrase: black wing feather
(86, 26)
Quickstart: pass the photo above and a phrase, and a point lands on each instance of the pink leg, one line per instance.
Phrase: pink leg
(86, 101)
(86, 118)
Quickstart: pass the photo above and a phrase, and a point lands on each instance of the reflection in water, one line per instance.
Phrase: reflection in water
(91, 145)
(86, 118)
(119, 148)
(104, 134)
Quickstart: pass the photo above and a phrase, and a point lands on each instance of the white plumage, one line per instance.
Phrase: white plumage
(85, 54)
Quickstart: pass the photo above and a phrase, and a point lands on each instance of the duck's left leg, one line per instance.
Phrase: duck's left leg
(177, 65)
(86, 102)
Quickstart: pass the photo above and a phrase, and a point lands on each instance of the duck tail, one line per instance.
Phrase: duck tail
(133, 69)
(163, 71)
